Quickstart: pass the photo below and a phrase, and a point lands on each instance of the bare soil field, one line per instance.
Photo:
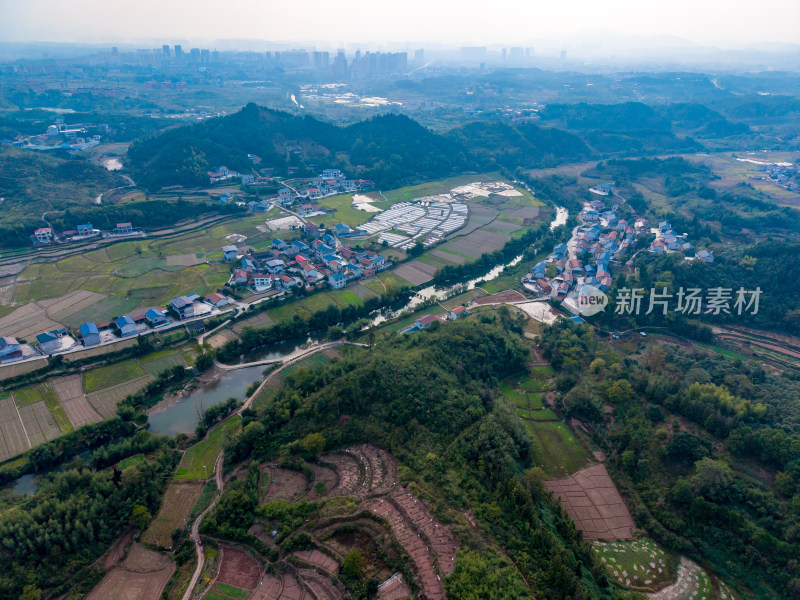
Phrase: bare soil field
(453, 258)
(318, 559)
(415, 272)
(39, 423)
(362, 292)
(322, 475)
(179, 500)
(183, 260)
(27, 321)
(238, 568)
(526, 212)
(593, 502)
(142, 576)
(692, 582)
(117, 551)
(13, 439)
(284, 484)
(12, 370)
(105, 401)
(500, 297)
(394, 588)
(477, 243)
(504, 225)
(219, 339)
(69, 390)
(269, 588)
(321, 586)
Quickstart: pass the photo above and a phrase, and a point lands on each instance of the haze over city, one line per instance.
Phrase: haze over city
(458, 22)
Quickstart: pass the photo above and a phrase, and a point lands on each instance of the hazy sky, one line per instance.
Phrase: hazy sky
(732, 22)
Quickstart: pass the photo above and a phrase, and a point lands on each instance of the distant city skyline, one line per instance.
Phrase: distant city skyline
(608, 24)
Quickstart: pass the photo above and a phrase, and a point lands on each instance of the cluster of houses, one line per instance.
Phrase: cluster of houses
(328, 183)
(45, 236)
(323, 260)
(602, 236)
(667, 242)
(785, 175)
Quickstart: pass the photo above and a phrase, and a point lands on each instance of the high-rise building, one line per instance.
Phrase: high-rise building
(165, 50)
(339, 66)
(178, 52)
(419, 56)
(194, 54)
(563, 54)
(504, 55)
(205, 56)
(516, 54)
(321, 60)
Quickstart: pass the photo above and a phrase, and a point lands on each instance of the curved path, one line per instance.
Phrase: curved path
(218, 465)
(289, 358)
(201, 558)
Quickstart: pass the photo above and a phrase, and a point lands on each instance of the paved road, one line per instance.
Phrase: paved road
(289, 358)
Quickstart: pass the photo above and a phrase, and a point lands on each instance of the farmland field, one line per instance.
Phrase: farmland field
(141, 576)
(643, 563)
(105, 401)
(104, 377)
(13, 439)
(205, 452)
(160, 361)
(102, 311)
(178, 502)
(555, 449)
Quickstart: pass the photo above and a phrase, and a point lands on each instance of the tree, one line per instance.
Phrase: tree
(30, 592)
(712, 479)
(204, 361)
(353, 562)
(313, 443)
(140, 517)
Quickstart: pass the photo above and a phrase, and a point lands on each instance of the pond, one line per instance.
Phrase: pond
(25, 485)
(275, 351)
(183, 415)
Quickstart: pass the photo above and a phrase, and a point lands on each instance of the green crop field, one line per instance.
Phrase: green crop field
(103, 377)
(56, 409)
(31, 394)
(102, 311)
(540, 371)
(532, 385)
(555, 449)
(136, 459)
(227, 591)
(161, 361)
(310, 362)
(205, 452)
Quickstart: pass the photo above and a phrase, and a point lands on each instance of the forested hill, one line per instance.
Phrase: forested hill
(386, 148)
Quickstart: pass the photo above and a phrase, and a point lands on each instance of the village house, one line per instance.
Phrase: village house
(427, 321)
(706, 256)
(337, 281)
(43, 235)
(90, 334)
(457, 313)
(126, 325)
(183, 306)
(50, 341)
(9, 348)
(217, 300)
(124, 229)
(156, 318)
(230, 252)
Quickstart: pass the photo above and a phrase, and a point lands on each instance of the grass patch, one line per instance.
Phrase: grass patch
(343, 211)
(103, 377)
(163, 361)
(56, 409)
(205, 452)
(726, 353)
(229, 591)
(555, 448)
(532, 385)
(136, 459)
(31, 394)
(541, 371)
